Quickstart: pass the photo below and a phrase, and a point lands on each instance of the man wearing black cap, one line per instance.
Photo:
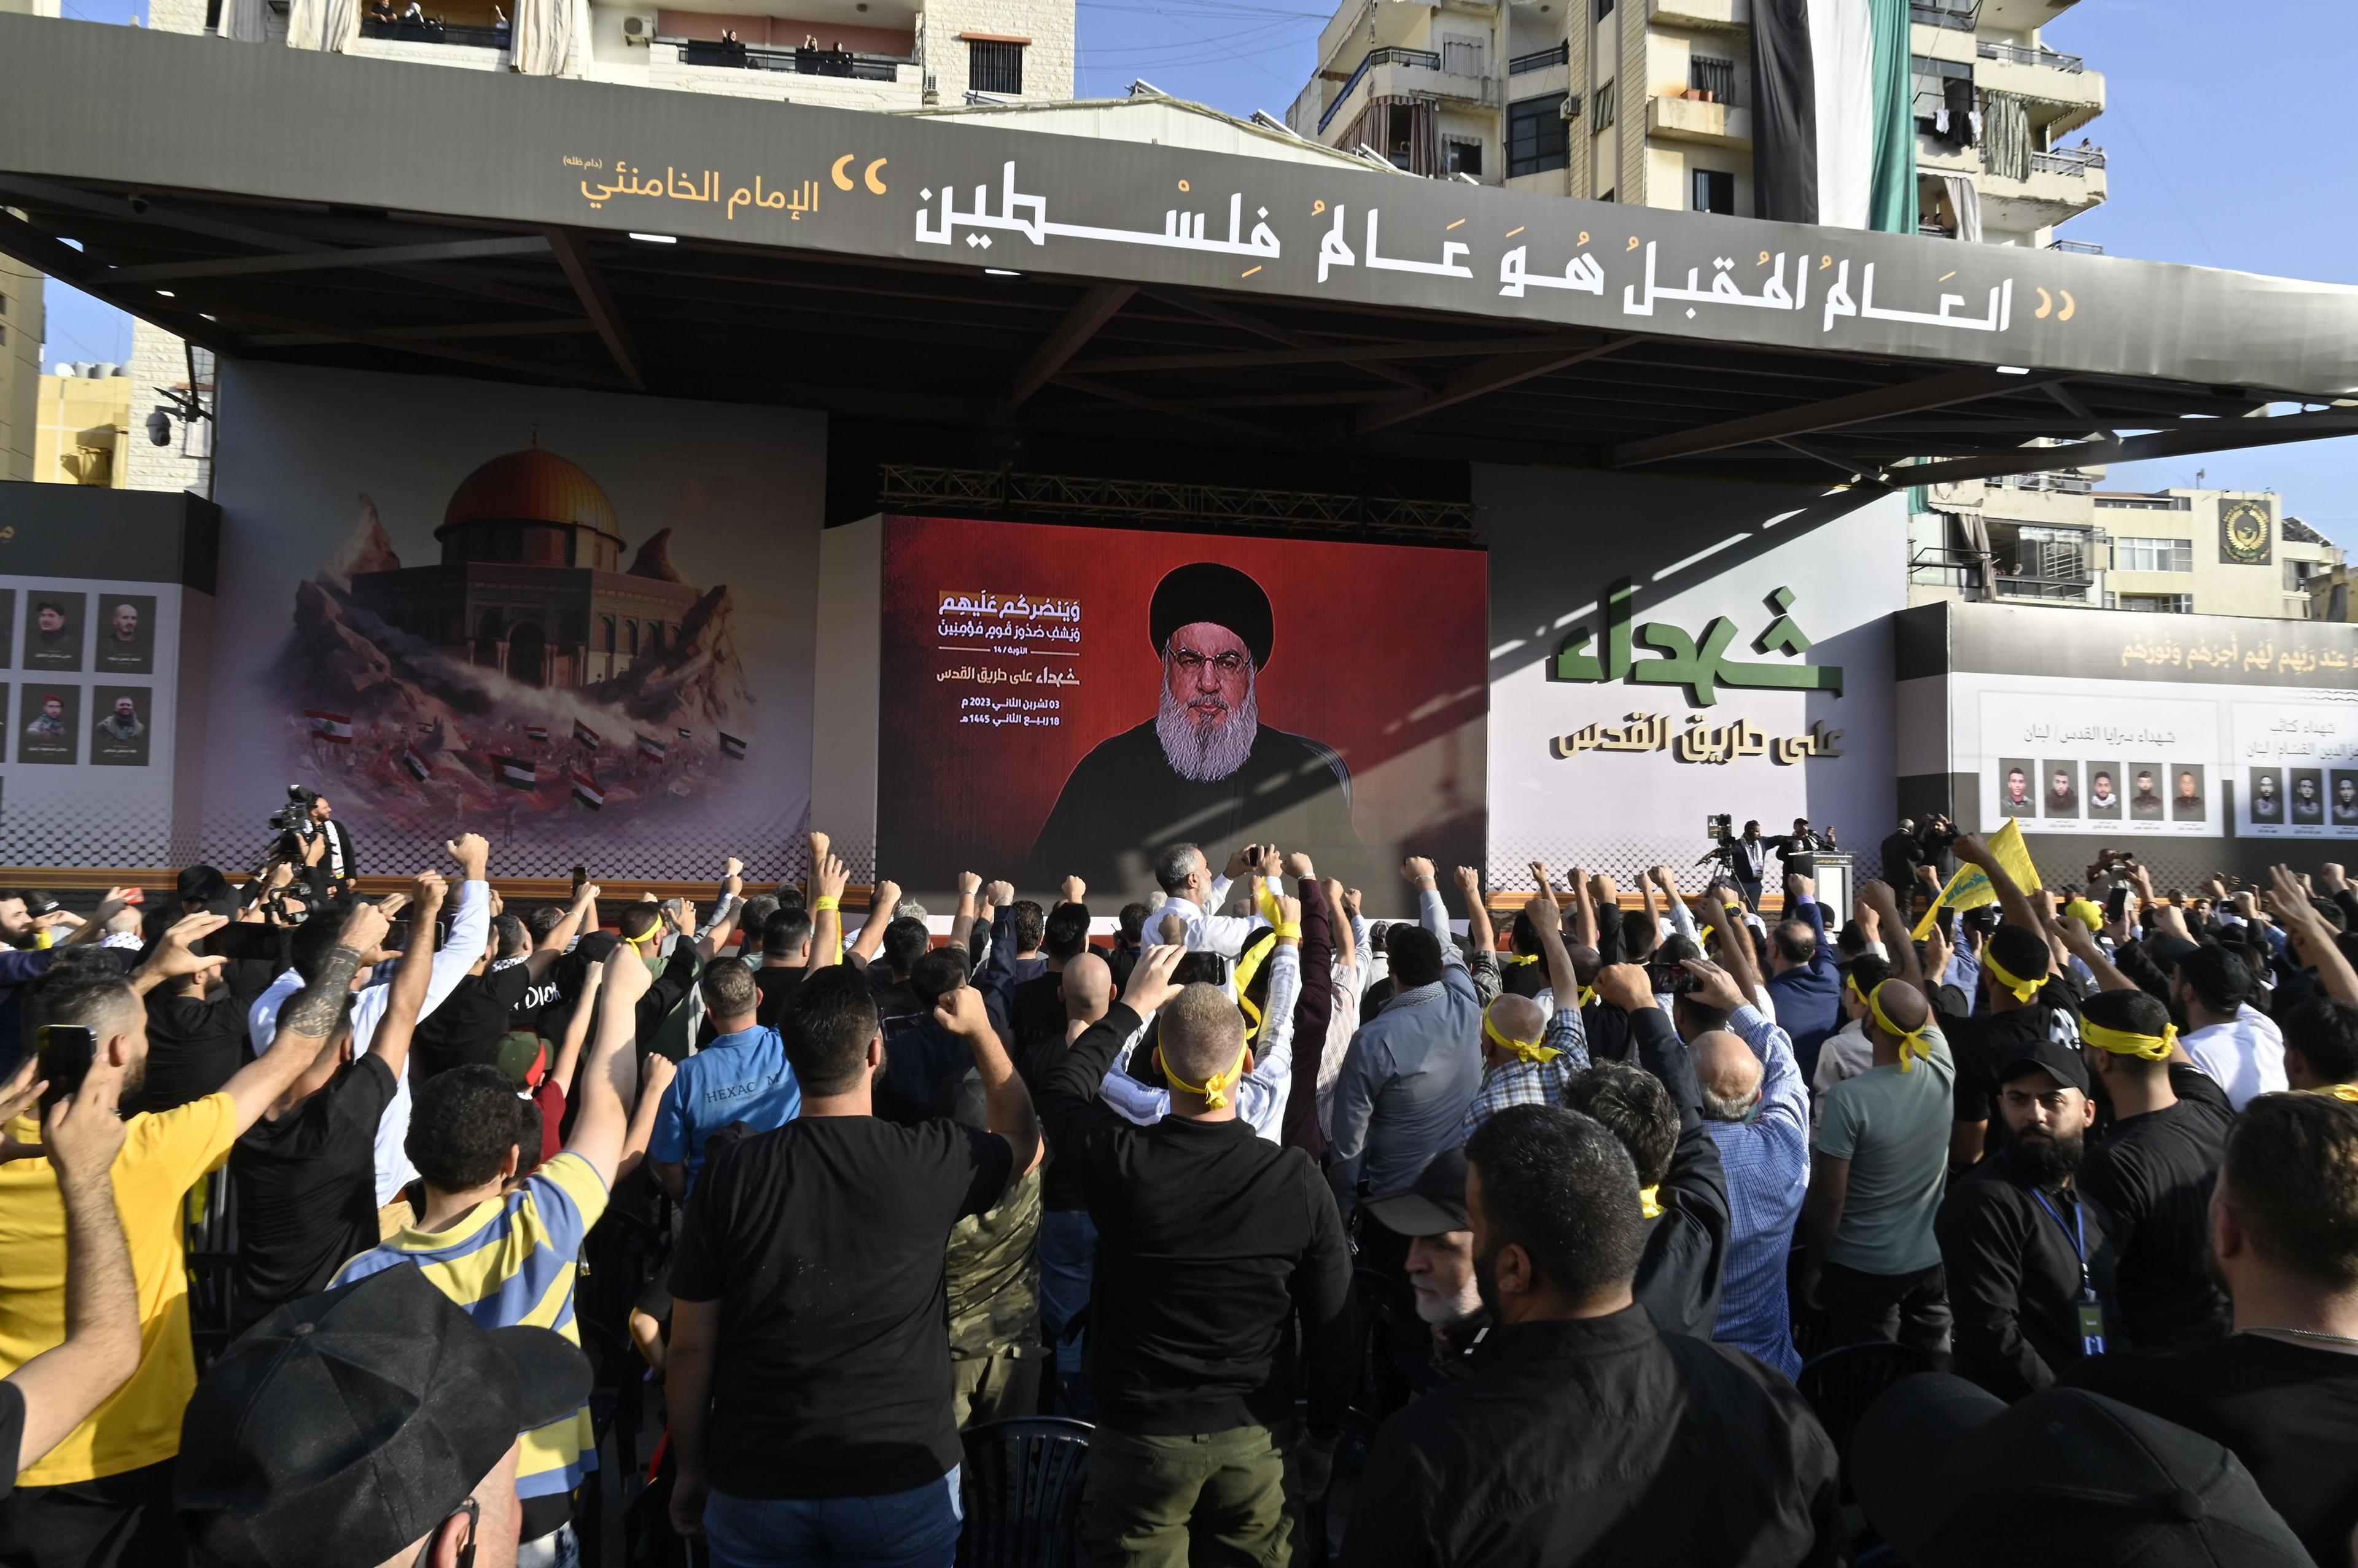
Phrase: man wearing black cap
(2029, 1259)
(1953, 1479)
(1582, 1432)
(1204, 767)
(377, 1423)
(1447, 1297)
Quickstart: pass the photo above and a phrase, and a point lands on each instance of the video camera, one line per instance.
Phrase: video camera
(295, 817)
(1720, 825)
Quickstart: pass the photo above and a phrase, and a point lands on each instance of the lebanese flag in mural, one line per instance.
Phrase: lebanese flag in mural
(335, 728)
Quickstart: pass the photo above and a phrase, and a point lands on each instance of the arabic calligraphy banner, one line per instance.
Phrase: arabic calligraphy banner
(1326, 696)
(300, 124)
(1665, 649)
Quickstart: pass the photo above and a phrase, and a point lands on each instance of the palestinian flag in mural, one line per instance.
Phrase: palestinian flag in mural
(415, 764)
(333, 728)
(586, 791)
(731, 747)
(649, 747)
(1833, 134)
(587, 736)
(516, 774)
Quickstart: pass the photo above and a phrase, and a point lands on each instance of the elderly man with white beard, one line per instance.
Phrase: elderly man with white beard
(1204, 768)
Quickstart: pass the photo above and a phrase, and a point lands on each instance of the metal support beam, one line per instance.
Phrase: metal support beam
(48, 255)
(1245, 321)
(1486, 376)
(1859, 408)
(569, 375)
(315, 261)
(590, 288)
(1339, 353)
(1100, 305)
(2184, 440)
(429, 334)
(1113, 394)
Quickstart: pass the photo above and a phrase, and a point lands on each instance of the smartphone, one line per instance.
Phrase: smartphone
(2116, 903)
(244, 939)
(66, 1051)
(580, 875)
(1668, 979)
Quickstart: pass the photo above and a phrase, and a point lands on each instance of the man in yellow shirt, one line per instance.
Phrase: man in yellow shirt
(103, 1496)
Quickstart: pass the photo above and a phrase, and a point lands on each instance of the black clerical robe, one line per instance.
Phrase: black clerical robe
(1123, 802)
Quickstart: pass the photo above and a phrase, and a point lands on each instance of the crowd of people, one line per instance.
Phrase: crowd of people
(1415, 1242)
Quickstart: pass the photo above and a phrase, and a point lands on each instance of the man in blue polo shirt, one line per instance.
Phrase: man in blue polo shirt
(742, 1076)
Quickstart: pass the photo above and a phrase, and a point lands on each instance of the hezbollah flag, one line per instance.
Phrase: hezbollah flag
(1833, 133)
(1971, 888)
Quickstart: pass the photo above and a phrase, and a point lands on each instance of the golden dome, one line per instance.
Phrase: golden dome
(534, 486)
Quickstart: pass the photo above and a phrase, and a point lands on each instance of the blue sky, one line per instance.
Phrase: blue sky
(2219, 156)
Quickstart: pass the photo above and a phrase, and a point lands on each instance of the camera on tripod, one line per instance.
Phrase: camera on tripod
(1720, 825)
(295, 817)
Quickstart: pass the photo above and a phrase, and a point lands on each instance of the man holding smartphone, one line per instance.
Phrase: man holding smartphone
(103, 1496)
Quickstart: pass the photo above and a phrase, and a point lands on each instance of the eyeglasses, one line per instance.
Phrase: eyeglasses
(1191, 661)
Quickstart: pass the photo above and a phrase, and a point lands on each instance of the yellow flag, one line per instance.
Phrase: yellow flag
(1970, 888)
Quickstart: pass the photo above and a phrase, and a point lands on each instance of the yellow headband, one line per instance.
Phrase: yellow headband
(2121, 1042)
(2023, 990)
(1517, 960)
(1910, 1039)
(2346, 1092)
(1850, 984)
(1215, 1090)
(1587, 995)
(1249, 963)
(1649, 1202)
(1529, 1050)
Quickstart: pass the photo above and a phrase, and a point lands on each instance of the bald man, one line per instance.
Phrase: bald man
(1757, 1112)
(1528, 1052)
(1878, 1169)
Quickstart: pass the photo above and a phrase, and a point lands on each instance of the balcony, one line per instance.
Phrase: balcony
(1711, 15)
(431, 32)
(2076, 247)
(1540, 59)
(1693, 119)
(844, 64)
(1393, 72)
(2075, 161)
(2029, 54)
(2065, 589)
(2059, 186)
(2063, 93)
(1956, 15)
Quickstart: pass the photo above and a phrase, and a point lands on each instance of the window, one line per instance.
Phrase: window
(2145, 503)
(1465, 157)
(1461, 57)
(1603, 9)
(1715, 191)
(1537, 139)
(1607, 100)
(2153, 555)
(1928, 84)
(993, 67)
(2159, 603)
(1716, 77)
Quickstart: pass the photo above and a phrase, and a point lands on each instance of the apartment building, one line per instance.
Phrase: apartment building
(1648, 102)
(2057, 539)
(20, 367)
(84, 435)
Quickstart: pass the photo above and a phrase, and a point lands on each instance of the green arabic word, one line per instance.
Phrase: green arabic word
(1700, 666)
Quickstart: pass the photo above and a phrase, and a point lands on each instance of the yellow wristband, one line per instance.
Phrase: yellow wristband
(822, 903)
(1289, 932)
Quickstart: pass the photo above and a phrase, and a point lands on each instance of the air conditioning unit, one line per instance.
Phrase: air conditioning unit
(1570, 108)
(634, 30)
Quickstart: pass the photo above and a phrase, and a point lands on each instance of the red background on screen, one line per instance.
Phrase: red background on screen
(1379, 651)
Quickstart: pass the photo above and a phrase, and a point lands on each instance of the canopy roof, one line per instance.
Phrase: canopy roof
(291, 205)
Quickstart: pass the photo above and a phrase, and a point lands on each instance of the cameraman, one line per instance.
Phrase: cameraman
(1747, 861)
(316, 841)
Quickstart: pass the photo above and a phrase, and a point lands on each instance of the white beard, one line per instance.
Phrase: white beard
(1205, 756)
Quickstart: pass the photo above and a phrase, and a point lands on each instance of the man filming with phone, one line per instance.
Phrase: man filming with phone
(103, 1496)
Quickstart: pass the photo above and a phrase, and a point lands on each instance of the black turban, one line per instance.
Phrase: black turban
(1206, 591)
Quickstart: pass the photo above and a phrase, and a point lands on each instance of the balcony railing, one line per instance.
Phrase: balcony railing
(2073, 588)
(428, 32)
(2073, 161)
(1427, 59)
(798, 61)
(2050, 480)
(1959, 15)
(2076, 247)
(1540, 59)
(1933, 231)
(2025, 54)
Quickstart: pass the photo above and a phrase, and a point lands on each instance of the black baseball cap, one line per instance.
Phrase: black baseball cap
(345, 1426)
(2059, 1061)
(2169, 951)
(1435, 1205)
(1954, 1477)
(205, 885)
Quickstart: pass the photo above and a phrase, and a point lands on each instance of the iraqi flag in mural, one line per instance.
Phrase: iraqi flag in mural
(415, 764)
(587, 736)
(516, 774)
(1833, 132)
(586, 791)
(335, 728)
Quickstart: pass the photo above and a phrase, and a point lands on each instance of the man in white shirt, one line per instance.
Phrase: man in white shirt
(2240, 1048)
(1192, 893)
(470, 930)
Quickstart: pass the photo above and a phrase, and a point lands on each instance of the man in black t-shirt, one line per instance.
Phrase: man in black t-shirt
(1130, 931)
(2021, 1008)
(2154, 1171)
(1036, 1005)
(2028, 1257)
(808, 1379)
(785, 959)
(304, 1172)
(2283, 1392)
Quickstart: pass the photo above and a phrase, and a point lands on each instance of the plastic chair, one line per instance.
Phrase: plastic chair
(1022, 1487)
(1841, 1384)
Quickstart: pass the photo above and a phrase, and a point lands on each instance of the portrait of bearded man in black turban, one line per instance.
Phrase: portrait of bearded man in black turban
(1204, 768)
